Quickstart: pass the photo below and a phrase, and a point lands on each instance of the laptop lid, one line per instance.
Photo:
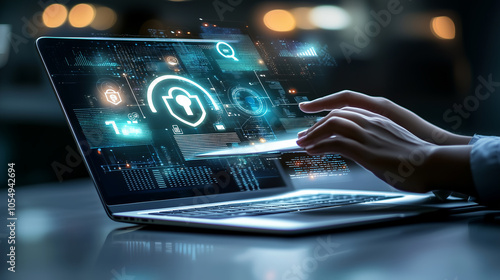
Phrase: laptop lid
(142, 109)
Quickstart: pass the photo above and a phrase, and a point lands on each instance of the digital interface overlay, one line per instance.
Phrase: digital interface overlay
(143, 109)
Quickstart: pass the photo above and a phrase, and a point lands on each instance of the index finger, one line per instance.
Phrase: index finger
(345, 98)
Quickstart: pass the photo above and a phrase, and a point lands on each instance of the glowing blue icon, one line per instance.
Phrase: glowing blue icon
(173, 78)
(248, 101)
(134, 116)
(176, 129)
(226, 50)
(184, 100)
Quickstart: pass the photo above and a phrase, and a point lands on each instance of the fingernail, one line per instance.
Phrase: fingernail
(302, 103)
(300, 141)
(302, 133)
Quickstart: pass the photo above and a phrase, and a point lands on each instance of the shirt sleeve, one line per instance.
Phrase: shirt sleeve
(485, 168)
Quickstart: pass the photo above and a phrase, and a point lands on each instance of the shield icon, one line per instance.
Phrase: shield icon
(184, 100)
(113, 96)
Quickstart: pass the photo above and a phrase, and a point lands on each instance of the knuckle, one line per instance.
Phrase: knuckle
(378, 121)
(382, 102)
(337, 141)
(333, 122)
(346, 94)
(333, 112)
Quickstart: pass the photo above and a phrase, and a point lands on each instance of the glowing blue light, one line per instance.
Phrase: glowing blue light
(188, 96)
(311, 52)
(220, 127)
(126, 130)
(248, 101)
(115, 127)
(227, 53)
(172, 77)
(131, 131)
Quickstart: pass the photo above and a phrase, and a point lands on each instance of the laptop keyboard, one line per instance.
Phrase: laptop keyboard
(273, 206)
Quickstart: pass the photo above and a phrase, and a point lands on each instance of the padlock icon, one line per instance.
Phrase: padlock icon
(182, 104)
(113, 96)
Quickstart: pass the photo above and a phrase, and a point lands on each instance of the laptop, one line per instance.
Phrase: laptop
(148, 114)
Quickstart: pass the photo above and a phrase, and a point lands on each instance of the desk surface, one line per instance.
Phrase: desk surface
(63, 233)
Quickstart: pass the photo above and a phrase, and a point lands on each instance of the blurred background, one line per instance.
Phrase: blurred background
(429, 56)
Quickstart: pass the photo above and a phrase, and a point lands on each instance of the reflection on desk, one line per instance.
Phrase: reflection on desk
(64, 234)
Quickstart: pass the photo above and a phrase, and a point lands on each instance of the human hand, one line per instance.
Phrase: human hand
(380, 145)
(389, 141)
(384, 107)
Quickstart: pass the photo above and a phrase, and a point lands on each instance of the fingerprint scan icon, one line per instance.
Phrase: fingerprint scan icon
(113, 96)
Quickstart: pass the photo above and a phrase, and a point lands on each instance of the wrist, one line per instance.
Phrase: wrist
(448, 168)
(456, 139)
(445, 138)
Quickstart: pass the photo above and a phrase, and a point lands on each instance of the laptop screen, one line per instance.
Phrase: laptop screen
(143, 109)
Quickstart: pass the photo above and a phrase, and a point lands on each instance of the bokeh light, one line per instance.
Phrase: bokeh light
(81, 15)
(54, 15)
(443, 27)
(104, 19)
(279, 20)
(302, 18)
(330, 17)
